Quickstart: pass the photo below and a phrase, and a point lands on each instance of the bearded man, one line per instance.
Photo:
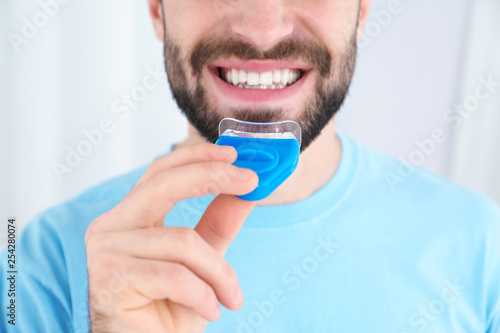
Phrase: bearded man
(172, 248)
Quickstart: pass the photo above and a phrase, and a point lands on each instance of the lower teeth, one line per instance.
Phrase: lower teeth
(261, 86)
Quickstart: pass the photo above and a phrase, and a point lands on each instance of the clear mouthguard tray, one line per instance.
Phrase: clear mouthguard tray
(276, 130)
(270, 149)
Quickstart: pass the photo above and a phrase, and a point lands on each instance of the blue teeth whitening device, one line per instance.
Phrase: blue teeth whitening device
(270, 149)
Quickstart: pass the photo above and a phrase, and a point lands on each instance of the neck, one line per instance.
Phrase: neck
(317, 165)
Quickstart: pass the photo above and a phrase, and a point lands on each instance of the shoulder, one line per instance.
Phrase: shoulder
(59, 231)
(421, 191)
(92, 202)
(52, 251)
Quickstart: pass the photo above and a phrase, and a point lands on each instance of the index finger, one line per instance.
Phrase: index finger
(148, 203)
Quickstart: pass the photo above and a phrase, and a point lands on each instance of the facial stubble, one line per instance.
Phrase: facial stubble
(335, 75)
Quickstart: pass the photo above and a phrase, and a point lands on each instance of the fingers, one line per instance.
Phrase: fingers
(201, 153)
(173, 178)
(152, 201)
(222, 220)
(170, 269)
(182, 246)
(205, 152)
(150, 280)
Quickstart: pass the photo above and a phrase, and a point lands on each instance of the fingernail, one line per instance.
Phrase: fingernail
(244, 174)
(224, 150)
(239, 298)
(217, 312)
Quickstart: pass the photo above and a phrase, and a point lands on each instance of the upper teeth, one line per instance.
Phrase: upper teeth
(278, 78)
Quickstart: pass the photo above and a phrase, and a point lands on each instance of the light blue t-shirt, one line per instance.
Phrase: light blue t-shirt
(363, 254)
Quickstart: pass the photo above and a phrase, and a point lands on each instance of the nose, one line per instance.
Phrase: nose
(261, 22)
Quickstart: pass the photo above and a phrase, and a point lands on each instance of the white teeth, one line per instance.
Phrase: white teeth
(253, 78)
(275, 79)
(266, 78)
(291, 77)
(284, 76)
(260, 86)
(243, 76)
(276, 75)
(235, 77)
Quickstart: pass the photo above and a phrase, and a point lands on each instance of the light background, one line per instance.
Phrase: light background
(413, 69)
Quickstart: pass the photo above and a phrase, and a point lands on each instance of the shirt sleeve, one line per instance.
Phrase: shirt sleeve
(36, 288)
(37, 308)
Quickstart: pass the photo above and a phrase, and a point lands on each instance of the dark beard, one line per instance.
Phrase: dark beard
(331, 88)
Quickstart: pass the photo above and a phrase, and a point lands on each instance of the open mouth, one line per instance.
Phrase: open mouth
(273, 79)
(261, 81)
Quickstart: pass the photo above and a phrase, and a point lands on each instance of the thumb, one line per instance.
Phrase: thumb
(222, 220)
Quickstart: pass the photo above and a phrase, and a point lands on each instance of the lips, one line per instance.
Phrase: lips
(258, 81)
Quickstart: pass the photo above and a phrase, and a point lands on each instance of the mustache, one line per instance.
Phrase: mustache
(290, 48)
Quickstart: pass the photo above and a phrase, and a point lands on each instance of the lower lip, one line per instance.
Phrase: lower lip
(256, 95)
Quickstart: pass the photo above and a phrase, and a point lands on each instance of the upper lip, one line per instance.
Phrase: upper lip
(260, 66)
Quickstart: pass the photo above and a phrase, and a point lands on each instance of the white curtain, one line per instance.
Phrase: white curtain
(66, 77)
(476, 150)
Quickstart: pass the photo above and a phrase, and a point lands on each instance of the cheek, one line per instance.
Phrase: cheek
(331, 22)
(189, 21)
